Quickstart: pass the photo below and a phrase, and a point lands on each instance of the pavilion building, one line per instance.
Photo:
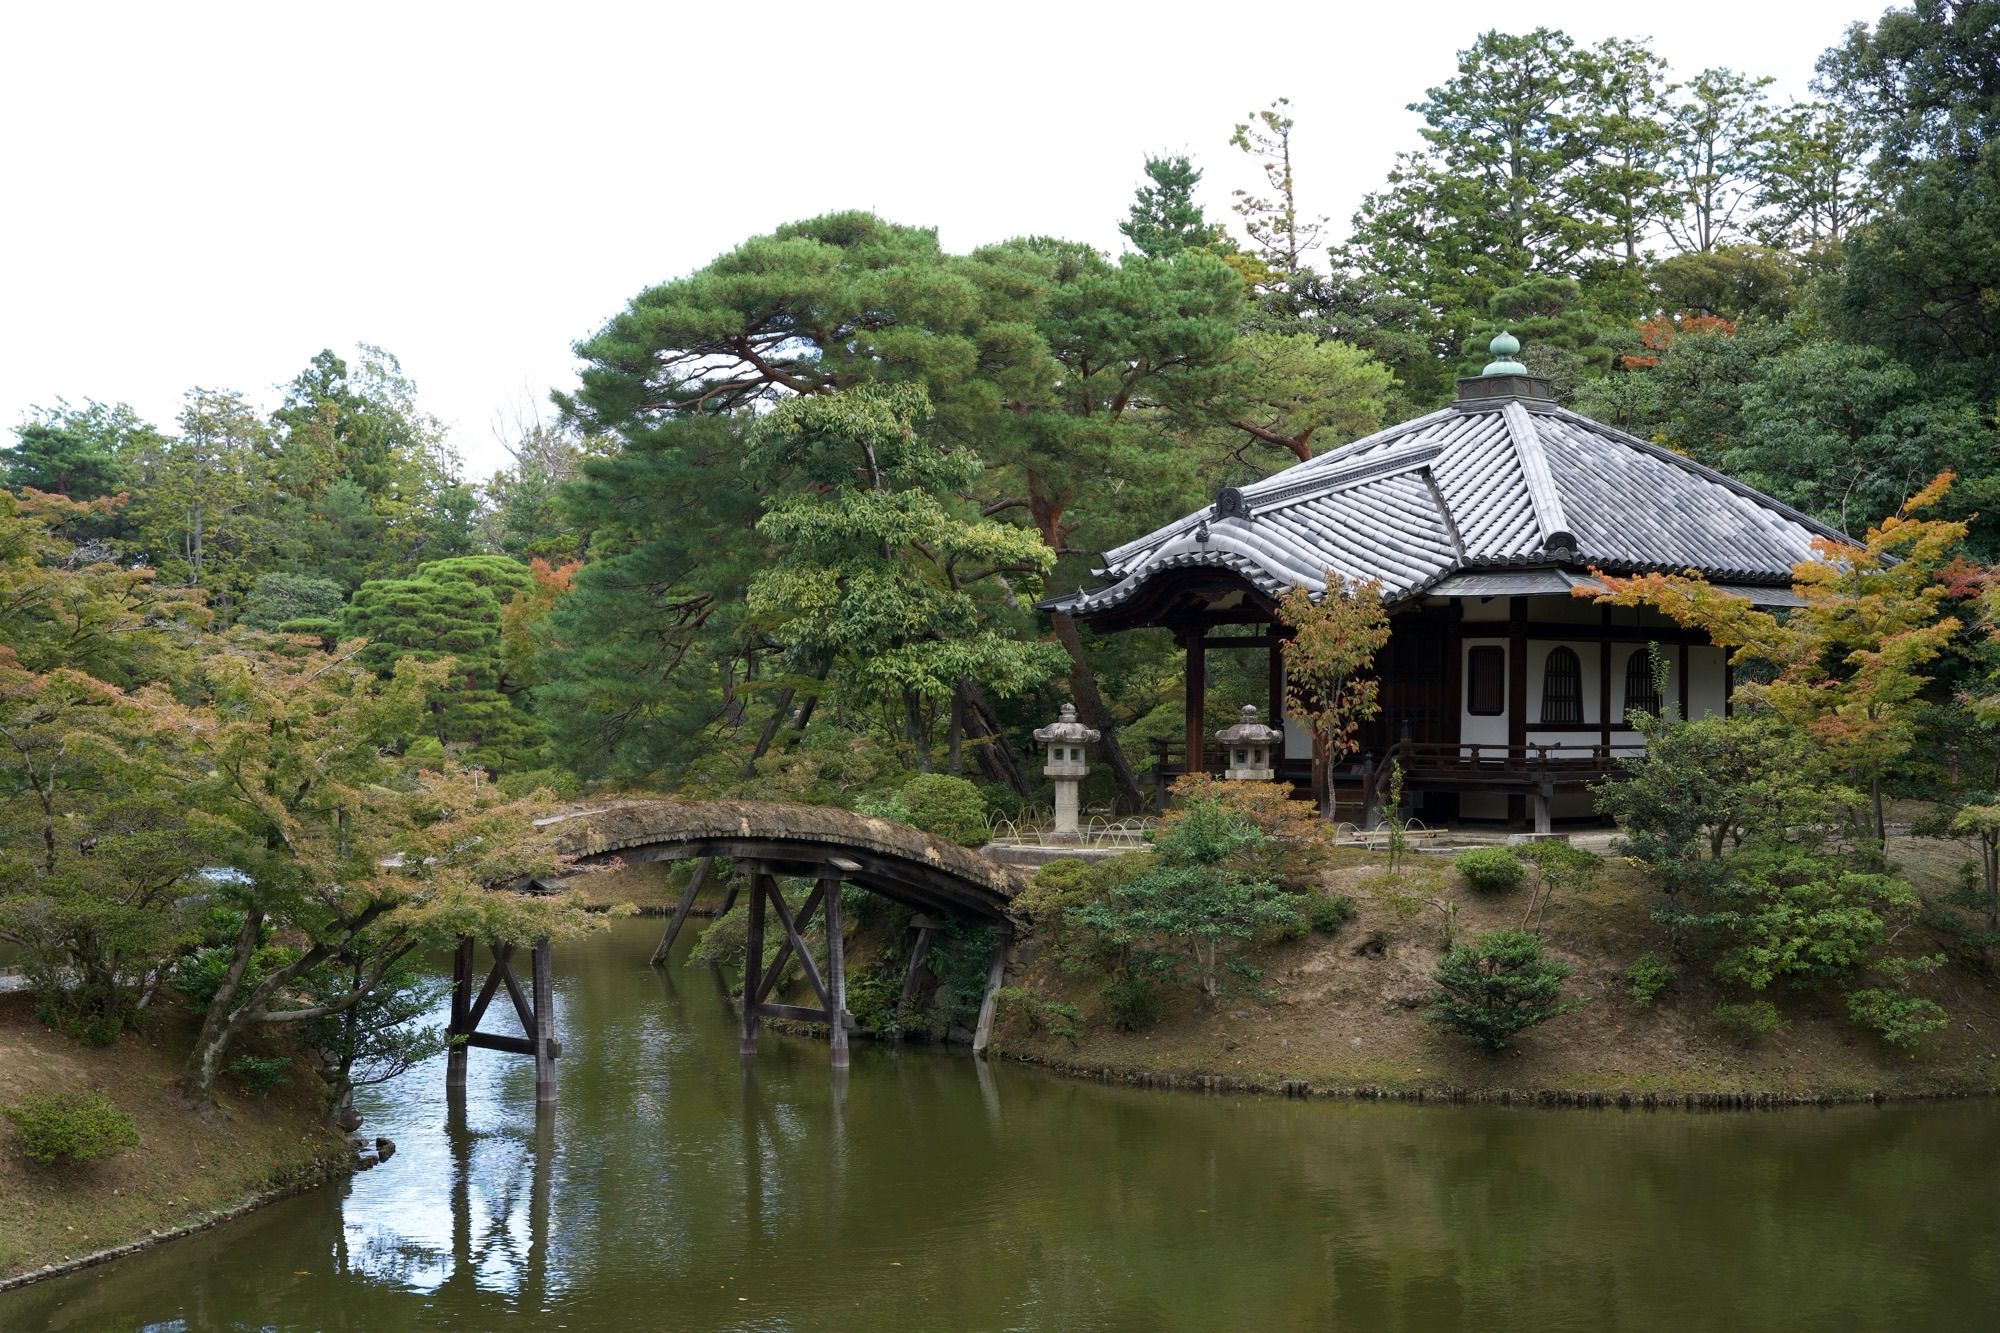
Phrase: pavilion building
(1502, 695)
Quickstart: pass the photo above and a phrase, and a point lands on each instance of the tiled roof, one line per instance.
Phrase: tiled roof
(1492, 484)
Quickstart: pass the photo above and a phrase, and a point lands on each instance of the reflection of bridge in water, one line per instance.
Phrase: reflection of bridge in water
(766, 841)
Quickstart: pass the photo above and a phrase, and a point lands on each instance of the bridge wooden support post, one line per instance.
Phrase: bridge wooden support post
(461, 1006)
(982, 1035)
(544, 1031)
(537, 1016)
(753, 958)
(681, 909)
(836, 975)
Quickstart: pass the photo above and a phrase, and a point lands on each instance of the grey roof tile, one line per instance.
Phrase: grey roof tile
(1491, 484)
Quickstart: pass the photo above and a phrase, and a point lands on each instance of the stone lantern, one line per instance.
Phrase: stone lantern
(1247, 748)
(1066, 738)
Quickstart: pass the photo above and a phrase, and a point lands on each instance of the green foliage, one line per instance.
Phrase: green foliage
(1490, 869)
(277, 600)
(1793, 917)
(260, 1074)
(1702, 787)
(1133, 1002)
(1646, 977)
(1191, 915)
(723, 938)
(1898, 1018)
(1165, 219)
(949, 807)
(1495, 986)
(1328, 912)
(1751, 1020)
(1040, 1015)
(960, 957)
(452, 609)
(70, 1128)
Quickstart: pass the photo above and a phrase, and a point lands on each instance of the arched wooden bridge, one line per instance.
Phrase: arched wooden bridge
(766, 841)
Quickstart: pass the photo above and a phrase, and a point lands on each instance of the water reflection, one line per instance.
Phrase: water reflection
(674, 1185)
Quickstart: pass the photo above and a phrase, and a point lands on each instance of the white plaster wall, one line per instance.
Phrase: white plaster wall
(1484, 608)
(1707, 681)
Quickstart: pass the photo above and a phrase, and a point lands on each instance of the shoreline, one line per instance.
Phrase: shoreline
(313, 1177)
(1544, 1098)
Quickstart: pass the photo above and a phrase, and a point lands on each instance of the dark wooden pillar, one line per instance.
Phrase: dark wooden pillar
(753, 960)
(836, 975)
(1517, 699)
(461, 1010)
(1275, 716)
(544, 1035)
(1196, 696)
(1681, 670)
(1604, 683)
(1728, 685)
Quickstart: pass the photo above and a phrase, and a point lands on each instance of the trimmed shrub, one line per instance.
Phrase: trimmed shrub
(1751, 1020)
(946, 807)
(1327, 913)
(1132, 1002)
(280, 601)
(1897, 1018)
(1490, 869)
(1646, 978)
(1497, 985)
(68, 1128)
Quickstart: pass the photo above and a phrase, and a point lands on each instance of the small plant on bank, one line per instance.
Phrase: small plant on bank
(1646, 978)
(1750, 1020)
(1897, 1018)
(1192, 914)
(1327, 913)
(259, 1074)
(1891, 1012)
(1558, 865)
(1054, 1017)
(1491, 869)
(1496, 986)
(1131, 1002)
(68, 1128)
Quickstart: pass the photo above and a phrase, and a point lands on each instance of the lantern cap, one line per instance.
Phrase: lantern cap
(1066, 730)
(1247, 730)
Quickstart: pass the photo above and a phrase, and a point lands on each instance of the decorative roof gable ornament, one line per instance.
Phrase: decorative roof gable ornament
(1503, 349)
(1230, 503)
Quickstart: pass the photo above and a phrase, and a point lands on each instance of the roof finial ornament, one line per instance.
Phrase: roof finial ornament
(1503, 347)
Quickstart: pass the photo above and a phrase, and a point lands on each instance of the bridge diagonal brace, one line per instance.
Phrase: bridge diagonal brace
(792, 932)
(682, 908)
(537, 1015)
(793, 944)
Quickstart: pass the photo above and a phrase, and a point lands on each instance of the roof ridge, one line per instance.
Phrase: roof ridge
(1542, 493)
(1703, 471)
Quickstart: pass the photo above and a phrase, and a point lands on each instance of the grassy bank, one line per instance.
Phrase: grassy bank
(188, 1165)
(1343, 1013)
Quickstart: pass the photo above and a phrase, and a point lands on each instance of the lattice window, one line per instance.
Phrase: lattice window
(1486, 681)
(1562, 689)
(1642, 693)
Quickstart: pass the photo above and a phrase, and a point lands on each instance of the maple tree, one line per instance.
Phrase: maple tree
(1333, 643)
(1850, 661)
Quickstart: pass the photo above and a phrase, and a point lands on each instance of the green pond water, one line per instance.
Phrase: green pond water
(675, 1187)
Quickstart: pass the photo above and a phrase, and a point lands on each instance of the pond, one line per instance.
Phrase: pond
(674, 1187)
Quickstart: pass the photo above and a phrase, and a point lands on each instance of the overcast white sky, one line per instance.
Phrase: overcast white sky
(209, 194)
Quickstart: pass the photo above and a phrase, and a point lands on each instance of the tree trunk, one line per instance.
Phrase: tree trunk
(1090, 703)
(955, 738)
(198, 1075)
(995, 754)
